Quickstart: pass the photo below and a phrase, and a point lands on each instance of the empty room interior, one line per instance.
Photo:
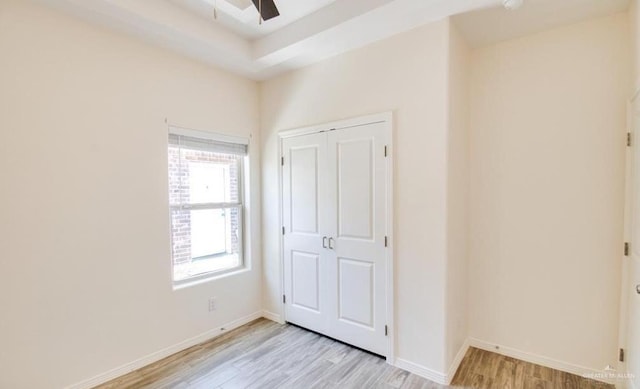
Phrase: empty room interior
(305, 194)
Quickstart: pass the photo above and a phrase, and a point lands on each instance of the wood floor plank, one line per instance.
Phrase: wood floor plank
(564, 380)
(505, 377)
(264, 354)
(531, 382)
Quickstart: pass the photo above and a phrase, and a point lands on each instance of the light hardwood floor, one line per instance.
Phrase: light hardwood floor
(264, 354)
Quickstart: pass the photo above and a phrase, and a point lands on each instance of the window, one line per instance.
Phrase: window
(206, 201)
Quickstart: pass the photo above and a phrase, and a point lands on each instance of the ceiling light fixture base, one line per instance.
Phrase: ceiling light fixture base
(512, 4)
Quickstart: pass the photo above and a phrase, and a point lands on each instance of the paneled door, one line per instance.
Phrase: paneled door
(357, 269)
(305, 200)
(633, 265)
(340, 267)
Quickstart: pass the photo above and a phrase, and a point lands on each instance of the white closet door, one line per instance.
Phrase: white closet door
(633, 266)
(305, 201)
(357, 267)
(335, 220)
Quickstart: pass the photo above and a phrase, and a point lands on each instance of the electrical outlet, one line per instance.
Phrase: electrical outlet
(212, 304)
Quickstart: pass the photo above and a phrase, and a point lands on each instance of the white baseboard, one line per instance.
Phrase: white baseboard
(537, 359)
(456, 361)
(158, 355)
(272, 316)
(430, 374)
(422, 371)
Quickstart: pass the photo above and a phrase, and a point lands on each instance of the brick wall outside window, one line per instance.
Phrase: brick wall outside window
(179, 193)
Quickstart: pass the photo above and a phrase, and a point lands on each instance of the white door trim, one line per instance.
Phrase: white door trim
(623, 339)
(338, 125)
(635, 94)
(384, 117)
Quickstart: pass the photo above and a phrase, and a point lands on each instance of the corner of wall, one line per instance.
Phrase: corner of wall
(457, 201)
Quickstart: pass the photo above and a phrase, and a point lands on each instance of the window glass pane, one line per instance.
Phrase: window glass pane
(208, 182)
(205, 240)
(197, 176)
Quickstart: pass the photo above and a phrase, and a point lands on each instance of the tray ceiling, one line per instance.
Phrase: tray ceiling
(309, 31)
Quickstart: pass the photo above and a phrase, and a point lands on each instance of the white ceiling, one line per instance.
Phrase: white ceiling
(492, 25)
(309, 31)
(241, 16)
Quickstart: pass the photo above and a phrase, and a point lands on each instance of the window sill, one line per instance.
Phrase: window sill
(206, 278)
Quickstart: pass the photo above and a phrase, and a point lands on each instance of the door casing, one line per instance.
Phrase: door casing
(387, 118)
(628, 266)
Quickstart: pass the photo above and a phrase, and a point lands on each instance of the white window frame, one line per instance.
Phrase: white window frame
(243, 164)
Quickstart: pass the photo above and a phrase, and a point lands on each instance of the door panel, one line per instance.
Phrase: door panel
(355, 169)
(356, 291)
(303, 198)
(305, 291)
(304, 189)
(357, 269)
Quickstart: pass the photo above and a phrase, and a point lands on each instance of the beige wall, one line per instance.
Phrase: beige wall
(547, 185)
(408, 75)
(86, 284)
(457, 196)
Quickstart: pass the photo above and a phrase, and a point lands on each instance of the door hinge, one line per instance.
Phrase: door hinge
(385, 151)
(282, 161)
(621, 355)
(628, 139)
(386, 241)
(386, 330)
(626, 249)
(282, 230)
(284, 299)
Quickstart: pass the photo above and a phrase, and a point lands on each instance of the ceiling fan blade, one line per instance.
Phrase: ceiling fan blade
(269, 9)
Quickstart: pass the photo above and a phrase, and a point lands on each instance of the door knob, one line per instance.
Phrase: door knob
(331, 243)
(638, 289)
(324, 242)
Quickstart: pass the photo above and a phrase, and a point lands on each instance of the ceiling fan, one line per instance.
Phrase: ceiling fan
(266, 8)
